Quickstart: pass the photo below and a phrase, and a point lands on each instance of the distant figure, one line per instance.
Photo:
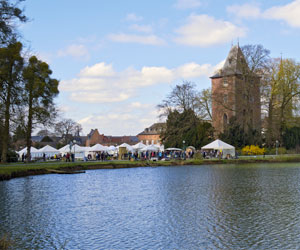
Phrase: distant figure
(23, 157)
(44, 157)
(68, 157)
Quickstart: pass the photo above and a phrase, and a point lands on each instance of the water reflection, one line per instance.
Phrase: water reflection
(191, 207)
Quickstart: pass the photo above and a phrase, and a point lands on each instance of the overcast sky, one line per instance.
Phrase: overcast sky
(117, 59)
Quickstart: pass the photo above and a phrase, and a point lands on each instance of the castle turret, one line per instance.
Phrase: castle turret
(235, 93)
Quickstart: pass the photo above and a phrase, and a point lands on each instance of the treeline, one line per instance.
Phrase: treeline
(27, 90)
(188, 111)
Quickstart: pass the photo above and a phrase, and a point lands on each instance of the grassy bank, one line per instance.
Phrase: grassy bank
(15, 170)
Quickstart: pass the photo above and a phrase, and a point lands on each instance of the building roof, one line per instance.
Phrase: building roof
(89, 136)
(235, 64)
(154, 129)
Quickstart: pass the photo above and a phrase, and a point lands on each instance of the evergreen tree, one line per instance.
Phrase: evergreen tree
(40, 90)
(11, 66)
(186, 126)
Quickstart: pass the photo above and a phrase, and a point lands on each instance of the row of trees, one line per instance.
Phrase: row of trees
(27, 90)
(187, 112)
(280, 93)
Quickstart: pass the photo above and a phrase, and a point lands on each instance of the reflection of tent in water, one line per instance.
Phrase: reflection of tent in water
(221, 146)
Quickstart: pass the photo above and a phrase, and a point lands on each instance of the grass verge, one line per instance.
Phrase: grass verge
(15, 170)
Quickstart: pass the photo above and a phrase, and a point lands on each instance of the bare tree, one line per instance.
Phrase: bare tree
(181, 98)
(67, 129)
(203, 104)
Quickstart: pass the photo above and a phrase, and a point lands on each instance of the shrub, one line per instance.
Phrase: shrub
(253, 150)
(281, 151)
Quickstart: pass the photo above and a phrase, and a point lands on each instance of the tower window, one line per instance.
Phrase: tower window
(225, 120)
(225, 82)
(225, 98)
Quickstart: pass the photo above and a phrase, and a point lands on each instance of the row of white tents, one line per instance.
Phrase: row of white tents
(80, 151)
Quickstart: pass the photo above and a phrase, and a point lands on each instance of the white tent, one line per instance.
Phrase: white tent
(98, 147)
(33, 151)
(79, 151)
(65, 149)
(112, 150)
(127, 146)
(139, 146)
(221, 146)
(173, 149)
(151, 148)
(48, 151)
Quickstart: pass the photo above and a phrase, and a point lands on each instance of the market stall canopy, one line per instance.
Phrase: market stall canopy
(173, 149)
(48, 149)
(217, 145)
(77, 148)
(139, 146)
(151, 148)
(32, 150)
(112, 148)
(65, 149)
(98, 147)
(191, 147)
(221, 146)
(127, 146)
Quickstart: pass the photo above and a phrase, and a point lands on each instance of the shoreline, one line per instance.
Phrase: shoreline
(11, 171)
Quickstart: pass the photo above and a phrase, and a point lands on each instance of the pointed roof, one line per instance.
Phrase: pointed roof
(218, 144)
(48, 149)
(235, 63)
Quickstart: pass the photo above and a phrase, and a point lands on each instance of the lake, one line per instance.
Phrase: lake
(249, 206)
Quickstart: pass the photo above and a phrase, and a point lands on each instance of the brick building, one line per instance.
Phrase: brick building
(151, 135)
(95, 137)
(235, 93)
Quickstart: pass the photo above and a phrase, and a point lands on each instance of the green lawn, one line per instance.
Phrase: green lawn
(22, 169)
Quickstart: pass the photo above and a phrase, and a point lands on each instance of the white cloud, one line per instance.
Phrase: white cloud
(74, 50)
(289, 13)
(244, 11)
(133, 17)
(141, 28)
(97, 70)
(204, 31)
(100, 83)
(187, 4)
(129, 38)
(129, 119)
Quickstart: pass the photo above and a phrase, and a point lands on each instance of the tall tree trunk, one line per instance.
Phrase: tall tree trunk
(29, 129)
(270, 123)
(6, 127)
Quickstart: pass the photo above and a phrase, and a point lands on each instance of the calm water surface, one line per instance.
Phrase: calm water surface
(190, 207)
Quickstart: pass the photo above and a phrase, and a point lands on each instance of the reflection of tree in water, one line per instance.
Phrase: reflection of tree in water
(254, 207)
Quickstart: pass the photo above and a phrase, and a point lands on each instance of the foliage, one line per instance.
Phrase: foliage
(238, 136)
(9, 13)
(186, 126)
(283, 97)
(280, 150)
(253, 150)
(40, 90)
(185, 96)
(11, 66)
(203, 104)
(257, 57)
(67, 129)
(291, 137)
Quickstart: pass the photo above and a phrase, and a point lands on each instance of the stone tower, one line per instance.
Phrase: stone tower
(235, 93)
